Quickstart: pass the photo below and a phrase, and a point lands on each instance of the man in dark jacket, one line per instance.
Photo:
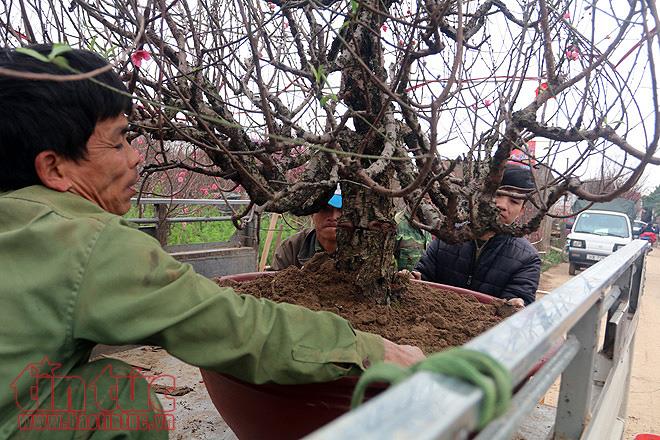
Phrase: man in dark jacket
(499, 265)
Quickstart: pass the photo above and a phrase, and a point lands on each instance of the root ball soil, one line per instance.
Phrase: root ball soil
(429, 318)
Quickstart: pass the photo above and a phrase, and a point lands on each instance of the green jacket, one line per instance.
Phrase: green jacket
(75, 275)
(296, 250)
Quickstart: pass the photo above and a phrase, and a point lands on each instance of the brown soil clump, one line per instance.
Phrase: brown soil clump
(429, 318)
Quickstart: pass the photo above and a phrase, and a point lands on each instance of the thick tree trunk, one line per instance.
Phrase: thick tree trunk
(366, 244)
(366, 239)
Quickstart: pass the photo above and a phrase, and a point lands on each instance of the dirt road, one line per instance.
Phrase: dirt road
(644, 396)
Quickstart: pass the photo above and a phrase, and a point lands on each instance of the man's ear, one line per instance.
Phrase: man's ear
(49, 167)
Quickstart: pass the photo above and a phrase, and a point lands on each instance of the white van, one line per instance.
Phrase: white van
(595, 235)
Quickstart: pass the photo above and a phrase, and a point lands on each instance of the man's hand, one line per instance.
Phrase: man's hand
(518, 303)
(411, 274)
(404, 355)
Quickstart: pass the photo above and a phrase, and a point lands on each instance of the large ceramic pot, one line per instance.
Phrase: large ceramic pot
(273, 411)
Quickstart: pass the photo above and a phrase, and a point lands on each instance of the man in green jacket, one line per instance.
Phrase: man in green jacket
(300, 247)
(76, 274)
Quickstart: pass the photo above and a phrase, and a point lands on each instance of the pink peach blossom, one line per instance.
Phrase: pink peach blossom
(572, 54)
(138, 56)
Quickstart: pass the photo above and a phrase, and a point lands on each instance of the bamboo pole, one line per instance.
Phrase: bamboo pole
(269, 239)
(278, 238)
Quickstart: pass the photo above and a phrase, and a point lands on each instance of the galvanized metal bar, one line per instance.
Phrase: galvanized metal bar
(574, 407)
(619, 314)
(526, 398)
(637, 282)
(625, 282)
(521, 340)
(614, 392)
(428, 406)
(410, 410)
(619, 324)
(172, 201)
(611, 298)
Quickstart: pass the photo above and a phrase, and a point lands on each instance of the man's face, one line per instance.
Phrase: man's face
(325, 223)
(109, 172)
(510, 208)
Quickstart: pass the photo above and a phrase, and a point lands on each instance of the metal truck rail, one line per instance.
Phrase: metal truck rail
(592, 320)
(237, 255)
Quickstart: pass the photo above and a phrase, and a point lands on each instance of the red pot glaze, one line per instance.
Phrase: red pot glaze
(272, 411)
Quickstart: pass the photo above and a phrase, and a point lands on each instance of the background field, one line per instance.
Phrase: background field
(219, 231)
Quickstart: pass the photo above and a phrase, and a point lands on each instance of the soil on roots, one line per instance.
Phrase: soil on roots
(429, 318)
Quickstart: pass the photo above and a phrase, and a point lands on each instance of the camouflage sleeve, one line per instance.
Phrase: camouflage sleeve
(410, 245)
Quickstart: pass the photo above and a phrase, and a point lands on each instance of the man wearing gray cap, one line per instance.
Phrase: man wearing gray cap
(499, 265)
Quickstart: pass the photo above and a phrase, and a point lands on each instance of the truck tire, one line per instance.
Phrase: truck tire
(571, 268)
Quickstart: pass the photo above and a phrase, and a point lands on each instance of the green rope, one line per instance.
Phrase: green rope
(472, 366)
